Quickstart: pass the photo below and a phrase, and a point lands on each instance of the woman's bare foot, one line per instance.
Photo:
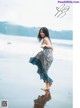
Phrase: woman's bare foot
(46, 89)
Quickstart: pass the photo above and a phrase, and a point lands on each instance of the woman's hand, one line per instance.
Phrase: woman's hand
(46, 43)
(42, 46)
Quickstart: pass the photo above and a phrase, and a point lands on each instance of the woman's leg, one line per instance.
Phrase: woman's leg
(46, 86)
(50, 84)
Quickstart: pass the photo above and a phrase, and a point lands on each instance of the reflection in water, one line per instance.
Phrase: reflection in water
(41, 100)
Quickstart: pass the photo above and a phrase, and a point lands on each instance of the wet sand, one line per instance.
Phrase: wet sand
(21, 85)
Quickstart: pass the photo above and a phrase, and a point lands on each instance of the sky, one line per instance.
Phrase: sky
(35, 13)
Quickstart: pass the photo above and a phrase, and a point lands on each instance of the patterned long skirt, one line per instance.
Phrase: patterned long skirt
(43, 61)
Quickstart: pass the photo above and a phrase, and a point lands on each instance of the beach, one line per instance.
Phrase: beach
(20, 84)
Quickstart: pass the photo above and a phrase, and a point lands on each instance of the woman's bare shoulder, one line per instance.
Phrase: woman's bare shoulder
(46, 39)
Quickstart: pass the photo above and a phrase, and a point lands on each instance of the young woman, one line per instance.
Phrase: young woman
(44, 58)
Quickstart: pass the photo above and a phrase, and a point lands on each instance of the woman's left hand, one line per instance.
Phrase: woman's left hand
(42, 46)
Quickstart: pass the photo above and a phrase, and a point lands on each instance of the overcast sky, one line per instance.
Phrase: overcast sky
(35, 13)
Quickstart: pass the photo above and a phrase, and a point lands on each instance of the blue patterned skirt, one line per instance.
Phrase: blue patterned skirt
(43, 61)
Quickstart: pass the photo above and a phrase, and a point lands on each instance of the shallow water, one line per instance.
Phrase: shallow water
(21, 86)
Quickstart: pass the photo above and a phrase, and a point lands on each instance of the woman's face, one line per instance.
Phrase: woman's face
(42, 34)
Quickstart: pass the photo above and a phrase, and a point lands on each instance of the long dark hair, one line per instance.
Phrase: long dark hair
(45, 31)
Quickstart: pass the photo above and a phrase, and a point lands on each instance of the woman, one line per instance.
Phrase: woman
(44, 58)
